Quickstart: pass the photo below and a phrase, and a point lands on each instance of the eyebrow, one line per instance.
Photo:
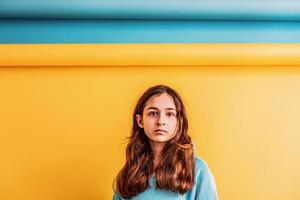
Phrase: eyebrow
(157, 108)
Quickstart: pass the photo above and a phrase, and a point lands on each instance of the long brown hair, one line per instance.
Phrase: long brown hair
(175, 172)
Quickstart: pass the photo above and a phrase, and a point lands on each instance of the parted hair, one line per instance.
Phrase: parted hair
(175, 171)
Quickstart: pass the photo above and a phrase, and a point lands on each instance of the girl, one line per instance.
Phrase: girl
(160, 161)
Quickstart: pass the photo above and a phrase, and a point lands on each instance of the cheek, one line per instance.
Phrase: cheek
(175, 127)
(148, 125)
(147, 122)
(174, 123)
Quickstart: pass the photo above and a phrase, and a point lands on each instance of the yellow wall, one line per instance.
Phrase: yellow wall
(63, 128)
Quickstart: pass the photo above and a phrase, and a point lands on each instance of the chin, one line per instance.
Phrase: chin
(159, 140)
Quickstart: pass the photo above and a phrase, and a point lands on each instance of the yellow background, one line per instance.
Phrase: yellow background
(63, 129)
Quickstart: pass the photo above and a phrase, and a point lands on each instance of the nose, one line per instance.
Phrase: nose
(161, 120)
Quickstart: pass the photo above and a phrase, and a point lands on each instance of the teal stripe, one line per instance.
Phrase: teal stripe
(146, 31)
(153, 9)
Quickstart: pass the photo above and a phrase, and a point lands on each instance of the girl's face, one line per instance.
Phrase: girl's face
(159, 119)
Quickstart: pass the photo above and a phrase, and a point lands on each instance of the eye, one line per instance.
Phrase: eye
(152, 113)
(170, 114)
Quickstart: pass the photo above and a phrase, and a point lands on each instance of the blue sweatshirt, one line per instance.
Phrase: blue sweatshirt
(203, 189)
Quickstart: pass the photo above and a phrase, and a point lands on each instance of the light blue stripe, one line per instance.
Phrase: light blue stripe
(141, 31)
(153, 9)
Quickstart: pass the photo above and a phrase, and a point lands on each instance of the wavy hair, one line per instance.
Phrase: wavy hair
(175, 171)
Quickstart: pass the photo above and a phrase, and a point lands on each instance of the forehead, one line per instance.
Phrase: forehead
(161, 102)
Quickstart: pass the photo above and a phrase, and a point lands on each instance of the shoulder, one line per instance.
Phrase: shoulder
(202, 170)
(200, 164)
(205, 183)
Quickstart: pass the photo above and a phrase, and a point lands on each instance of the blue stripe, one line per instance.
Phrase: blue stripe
(143, 31)
(153, 9)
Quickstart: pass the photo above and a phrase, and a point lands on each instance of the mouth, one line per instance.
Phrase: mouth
(160, 131)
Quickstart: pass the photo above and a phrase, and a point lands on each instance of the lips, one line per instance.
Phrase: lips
(160, 131)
